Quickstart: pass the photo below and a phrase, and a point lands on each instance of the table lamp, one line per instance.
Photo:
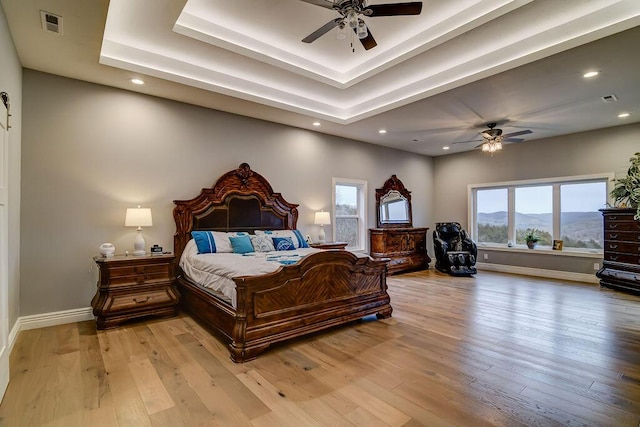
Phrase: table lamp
(322, 218)
(138, 217)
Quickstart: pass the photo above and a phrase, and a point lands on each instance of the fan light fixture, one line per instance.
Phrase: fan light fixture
(492, 146)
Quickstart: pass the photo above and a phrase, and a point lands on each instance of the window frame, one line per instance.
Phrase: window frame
(362, 210)
(556, 183)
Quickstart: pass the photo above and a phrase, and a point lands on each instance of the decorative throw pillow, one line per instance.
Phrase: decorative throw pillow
(262, 243)
(283, 244)
(295, 236)
(204, 241)
(241, 244)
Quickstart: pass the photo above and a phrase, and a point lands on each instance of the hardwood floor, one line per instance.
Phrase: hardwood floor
(496, 349)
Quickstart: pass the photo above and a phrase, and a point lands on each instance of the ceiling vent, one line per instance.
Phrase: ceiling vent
(51, 23)
(609, 98)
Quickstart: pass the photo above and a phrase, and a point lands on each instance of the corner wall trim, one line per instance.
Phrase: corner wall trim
(549, 274)
(44, 320)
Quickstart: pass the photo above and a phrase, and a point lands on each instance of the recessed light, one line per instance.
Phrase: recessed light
(623, 115)
(137, 81)
(316, 123)
(382, 131)
(590, 74)
(446, 147)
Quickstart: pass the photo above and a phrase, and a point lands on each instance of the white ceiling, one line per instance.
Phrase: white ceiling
(433, 79)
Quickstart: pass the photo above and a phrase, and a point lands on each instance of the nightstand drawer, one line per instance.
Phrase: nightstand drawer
(138, 279)
(140, 301)
(133, 270)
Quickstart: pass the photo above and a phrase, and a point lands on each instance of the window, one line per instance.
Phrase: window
(349, 210)
(534, 211)
(558, 209)
(492, 215)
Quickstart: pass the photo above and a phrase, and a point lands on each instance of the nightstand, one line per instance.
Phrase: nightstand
(329, 245)
(134, 286)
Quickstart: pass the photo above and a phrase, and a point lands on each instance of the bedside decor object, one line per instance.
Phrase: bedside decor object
(395, 237)
(132, 287)
(107, 250)
(322, 218)
(138, 217)
(155, 250)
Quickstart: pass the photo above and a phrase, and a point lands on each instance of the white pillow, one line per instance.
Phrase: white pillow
(295, 236)
(262, 243)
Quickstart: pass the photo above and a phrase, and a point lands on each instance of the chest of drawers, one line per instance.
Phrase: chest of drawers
(406, 248)
(134, 286)
(621, 267)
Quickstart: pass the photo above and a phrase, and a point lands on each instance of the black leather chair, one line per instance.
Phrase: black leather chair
(456, 252)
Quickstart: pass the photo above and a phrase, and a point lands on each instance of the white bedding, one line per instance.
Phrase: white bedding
(216, 271)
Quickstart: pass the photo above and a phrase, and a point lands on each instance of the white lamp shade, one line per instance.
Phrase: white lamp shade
(322, 218)
(138, 217)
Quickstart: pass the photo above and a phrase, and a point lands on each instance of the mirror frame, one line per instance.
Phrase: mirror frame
(393, 184)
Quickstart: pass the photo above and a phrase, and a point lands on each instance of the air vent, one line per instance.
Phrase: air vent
(51, 23)
(609, 98)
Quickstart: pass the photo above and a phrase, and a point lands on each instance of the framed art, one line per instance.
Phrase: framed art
(557, 245)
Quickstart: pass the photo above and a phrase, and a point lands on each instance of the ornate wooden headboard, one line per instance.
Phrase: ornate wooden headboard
(240, 200)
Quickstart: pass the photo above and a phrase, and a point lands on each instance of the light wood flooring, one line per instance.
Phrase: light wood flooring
(495, 349)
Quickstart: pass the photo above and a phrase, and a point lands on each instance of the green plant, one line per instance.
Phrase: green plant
(531, 236)
(626, 191)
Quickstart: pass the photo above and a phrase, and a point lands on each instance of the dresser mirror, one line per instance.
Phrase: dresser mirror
(393, 205)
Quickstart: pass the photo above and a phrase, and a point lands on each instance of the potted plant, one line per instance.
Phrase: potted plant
(626, 192)
(532, 238)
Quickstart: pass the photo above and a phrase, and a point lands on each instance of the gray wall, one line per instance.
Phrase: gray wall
(11, 82)
(600, 151)
(89, 152)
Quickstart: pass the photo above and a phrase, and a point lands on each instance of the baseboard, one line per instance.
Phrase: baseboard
(44, 320)
(549, 274)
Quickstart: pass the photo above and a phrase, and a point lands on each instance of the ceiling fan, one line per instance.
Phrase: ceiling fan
(493, 138)
(350, 11)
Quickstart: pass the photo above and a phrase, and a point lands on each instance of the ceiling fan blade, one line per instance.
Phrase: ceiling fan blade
(394, 9)
(513, 140)
(464, 142)
(322, 3)
(368, 42)
(522, 132)
(322, 30)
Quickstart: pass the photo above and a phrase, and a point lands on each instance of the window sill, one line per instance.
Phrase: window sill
(543, 250)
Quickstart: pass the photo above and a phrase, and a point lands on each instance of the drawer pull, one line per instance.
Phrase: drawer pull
(615, 236)
(613, 217)
(141, 301)
(614, 257)
(613, 225)
(613, 246)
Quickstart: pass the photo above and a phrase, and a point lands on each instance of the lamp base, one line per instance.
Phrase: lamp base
(321, 235)
(138, 244)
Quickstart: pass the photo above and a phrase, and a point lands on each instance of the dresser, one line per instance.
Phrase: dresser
(134, 286)
(621, 267)
(406, 248)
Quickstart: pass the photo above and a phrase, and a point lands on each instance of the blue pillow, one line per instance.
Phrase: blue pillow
(204, 241)
(283, 244)
(241, 244)
(301, 241)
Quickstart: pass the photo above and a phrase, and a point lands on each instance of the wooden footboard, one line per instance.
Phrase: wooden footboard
(323, 290)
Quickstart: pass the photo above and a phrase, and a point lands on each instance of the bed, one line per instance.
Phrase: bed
(324, 289)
